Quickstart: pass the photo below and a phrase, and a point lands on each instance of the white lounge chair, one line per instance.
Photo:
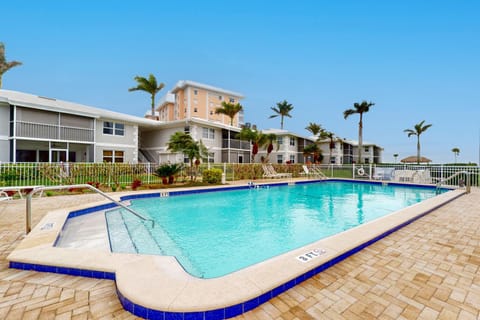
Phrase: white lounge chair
(384, 174)
(269, 172)
(4, 196)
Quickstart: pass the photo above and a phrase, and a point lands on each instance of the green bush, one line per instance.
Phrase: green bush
(212, 176)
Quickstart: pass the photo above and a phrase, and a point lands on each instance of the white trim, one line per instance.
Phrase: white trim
(188, 83)
(115, 145)
(51, 140)
(27, 100)
(4, 138)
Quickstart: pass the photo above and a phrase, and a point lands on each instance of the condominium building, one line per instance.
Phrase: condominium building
(288, 147)
(344, 151)
(42, 129)
(192, 100)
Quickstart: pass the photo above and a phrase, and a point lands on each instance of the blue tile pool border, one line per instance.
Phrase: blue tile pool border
(229, 311)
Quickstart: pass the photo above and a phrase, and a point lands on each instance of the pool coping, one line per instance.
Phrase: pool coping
(157, 287)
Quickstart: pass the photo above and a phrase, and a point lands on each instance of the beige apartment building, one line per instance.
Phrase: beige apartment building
(189, 100)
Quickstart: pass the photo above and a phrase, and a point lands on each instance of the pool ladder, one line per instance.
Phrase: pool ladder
(456, 174)
(28, 226)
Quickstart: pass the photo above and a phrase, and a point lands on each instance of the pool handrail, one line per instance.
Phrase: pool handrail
(28, 226)
(467, 174)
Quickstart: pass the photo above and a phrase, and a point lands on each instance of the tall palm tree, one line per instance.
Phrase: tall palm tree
(149, 85)
(417, 130)
(229, 109)
(359, 108)
(4, 65)
(331, 144)
(456, 152)
(283, 110)
(314, 128)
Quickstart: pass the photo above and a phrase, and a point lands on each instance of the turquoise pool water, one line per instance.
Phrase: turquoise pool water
(213, 234)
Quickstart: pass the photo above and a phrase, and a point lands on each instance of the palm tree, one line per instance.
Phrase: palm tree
(417, 130)
(257, 139)
(149, 85)
(456, 152)
(359, 108)
(283, 110)
(331, 144)
(314, 128)
(229, 109)
(4, 65)
(271, 140)
(314, 150)
(183, 142)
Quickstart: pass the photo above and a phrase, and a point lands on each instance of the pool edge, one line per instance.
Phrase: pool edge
(147, 310)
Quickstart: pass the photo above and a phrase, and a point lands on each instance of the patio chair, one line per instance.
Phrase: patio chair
(4, 196)
(269, 172)
(384, 174)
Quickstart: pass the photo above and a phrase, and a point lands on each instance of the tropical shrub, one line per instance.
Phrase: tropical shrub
(212, 176)
(168, 170)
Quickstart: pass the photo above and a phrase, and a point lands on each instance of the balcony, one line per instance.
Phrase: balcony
(236, 144)
(53, 132)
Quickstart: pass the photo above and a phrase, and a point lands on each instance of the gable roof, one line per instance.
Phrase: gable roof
(27, 100)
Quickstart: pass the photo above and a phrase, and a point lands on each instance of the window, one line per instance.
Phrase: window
(113, 128)
(367, 149)
(292, 141)
(332, 160)
(211, 157)
(186, 130)
(195, 92)
(232, 100)
(220, 98)
(292, 158)
(279, 158)
(279, 140)
(119, 129)
(107, 127)
(367, 160)
(195, 109)
(114, 156)
(208, 133)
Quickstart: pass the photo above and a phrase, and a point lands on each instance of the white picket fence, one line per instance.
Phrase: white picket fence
(108, 174)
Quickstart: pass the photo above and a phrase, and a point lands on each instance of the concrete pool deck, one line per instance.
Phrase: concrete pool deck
(313, 299)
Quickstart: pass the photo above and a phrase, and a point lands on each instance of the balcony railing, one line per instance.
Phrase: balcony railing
(236, 144)
(53, 132)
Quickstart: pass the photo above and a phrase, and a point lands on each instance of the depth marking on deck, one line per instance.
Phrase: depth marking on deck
(315, 253)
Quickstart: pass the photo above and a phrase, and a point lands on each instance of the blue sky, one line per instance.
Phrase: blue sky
(416, 60)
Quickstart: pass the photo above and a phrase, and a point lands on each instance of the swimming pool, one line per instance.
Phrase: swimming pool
(222, 232)
(157, 287)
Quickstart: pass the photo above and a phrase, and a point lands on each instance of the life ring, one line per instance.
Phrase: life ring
(361, 172)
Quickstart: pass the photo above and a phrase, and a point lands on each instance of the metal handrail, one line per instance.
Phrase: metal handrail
(468, 186)
(41, 188)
